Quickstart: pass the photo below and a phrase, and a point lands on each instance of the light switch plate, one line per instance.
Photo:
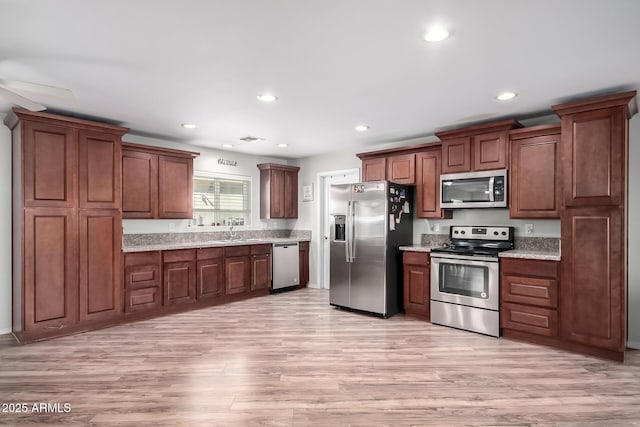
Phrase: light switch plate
(528, 229)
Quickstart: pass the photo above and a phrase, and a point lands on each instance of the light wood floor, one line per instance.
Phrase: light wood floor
(292, 360)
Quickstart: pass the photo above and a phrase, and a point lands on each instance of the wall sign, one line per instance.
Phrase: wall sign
(307, 192)
(225, 162)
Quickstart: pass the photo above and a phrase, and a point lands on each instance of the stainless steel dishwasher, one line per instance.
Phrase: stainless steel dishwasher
(286, 265)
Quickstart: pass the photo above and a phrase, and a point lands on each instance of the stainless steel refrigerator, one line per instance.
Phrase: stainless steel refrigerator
(369, 222)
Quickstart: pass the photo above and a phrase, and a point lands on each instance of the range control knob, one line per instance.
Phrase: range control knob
(504, 233)
(455, 232)
(495, 233)
(462, 232)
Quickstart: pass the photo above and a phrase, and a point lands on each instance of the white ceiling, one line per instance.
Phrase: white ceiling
(152, 65)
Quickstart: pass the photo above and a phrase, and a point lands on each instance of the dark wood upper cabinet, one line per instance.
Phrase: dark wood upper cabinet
(179, 276)
(476, 148)
(156, 182)
(50, 270)
(374, 169)
(490, 151)
(50, 163)
(99, 170)
(175, 187)
(456, 155)
(535, 182)
(139, 184)
(428, 168)
(416, 280)
(100, 238)
(278, 191)
(401, 169)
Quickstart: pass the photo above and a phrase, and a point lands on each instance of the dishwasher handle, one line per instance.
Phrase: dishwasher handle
(285, 245)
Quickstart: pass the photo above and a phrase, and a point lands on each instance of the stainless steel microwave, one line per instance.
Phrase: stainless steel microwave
(486, 189)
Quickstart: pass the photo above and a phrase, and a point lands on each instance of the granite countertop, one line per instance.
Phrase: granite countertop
(416, 248)
(531, 254)
(212, 244)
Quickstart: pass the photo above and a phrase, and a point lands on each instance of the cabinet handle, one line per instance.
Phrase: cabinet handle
(55, 327)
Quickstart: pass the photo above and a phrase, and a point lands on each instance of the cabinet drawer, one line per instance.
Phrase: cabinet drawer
(420, 258)
(534, 320)
(529, 267)
(179, 255)
(231, 251)
(530, 290)
(141, 258)
(210, 253)
(260, 249)
(142, 276)
(142, 299)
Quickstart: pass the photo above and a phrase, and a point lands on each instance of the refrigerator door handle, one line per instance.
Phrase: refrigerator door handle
(353, 231)
(347, 231)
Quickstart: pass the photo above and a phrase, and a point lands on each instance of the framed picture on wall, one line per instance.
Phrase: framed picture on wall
(307, 192)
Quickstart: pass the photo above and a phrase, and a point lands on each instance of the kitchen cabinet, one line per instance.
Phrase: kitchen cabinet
(260, 267)
(529, 297)
(156, 182)
(401, 168)
(142, 281)
(210, 273)
(476, 148)
(67, 227)
(428, 168)
(179, 276)
(374, 169)
(416, 282)
(100, 268)
(278, 191)
(304, 263)
(535, 181)
(237, 269)
(594, 144)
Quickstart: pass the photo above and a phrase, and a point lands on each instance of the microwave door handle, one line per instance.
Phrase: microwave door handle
(491, 189)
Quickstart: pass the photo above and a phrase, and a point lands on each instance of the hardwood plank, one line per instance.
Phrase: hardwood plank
(289, 359)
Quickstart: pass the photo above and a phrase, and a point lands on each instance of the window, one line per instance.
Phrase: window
(222, 199)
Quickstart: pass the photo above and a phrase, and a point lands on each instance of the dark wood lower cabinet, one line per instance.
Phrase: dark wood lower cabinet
(260, 271)
(416, 283)
(210, 273)
(179, 276)
(237, 269)
(142, 281)
(304, 263)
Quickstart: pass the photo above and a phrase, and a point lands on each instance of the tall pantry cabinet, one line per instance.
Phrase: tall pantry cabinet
(67, 223)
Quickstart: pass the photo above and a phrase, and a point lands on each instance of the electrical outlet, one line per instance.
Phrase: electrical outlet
(528, 229)
(436, 227)
(172, 226)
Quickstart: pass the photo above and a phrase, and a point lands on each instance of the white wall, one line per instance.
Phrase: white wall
(634, 233)
(5, 228)
(208, 161)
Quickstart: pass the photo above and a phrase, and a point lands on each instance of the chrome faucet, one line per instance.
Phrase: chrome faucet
(232, 234)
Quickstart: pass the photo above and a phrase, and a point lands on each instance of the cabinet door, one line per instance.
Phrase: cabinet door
(291, 194)
(374, 169)
(428, 166)
(139, 184)
(304, 263)
(490, 151)
(401, 169)
(416, 281)
(179, 282)
(276, 183)
(593, 157)
(50, 157)
(237, 274)
(594, 277)
(100, 264)
(535, 181)
(50, 269)
(456, 155)
(175, 187)
(143, 281)
(99, 167)
(260, 271)
(210, 278)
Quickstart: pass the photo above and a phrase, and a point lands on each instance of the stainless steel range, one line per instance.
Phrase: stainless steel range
(465, 278)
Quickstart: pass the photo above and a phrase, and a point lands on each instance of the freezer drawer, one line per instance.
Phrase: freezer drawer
(286, 265)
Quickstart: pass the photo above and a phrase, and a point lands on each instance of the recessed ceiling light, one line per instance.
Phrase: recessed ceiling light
(227, 145)
(267, 97)
(362, 128)
(189, 125)
(505, 96)
(283, 145)
(436, 34)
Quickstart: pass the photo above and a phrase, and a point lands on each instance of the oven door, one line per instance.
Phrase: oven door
(466, 282)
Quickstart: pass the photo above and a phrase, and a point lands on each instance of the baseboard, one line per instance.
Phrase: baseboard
(634, 345)
(313, 285)
(5, 331)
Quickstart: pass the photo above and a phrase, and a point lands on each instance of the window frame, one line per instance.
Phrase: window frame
(220, 175)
